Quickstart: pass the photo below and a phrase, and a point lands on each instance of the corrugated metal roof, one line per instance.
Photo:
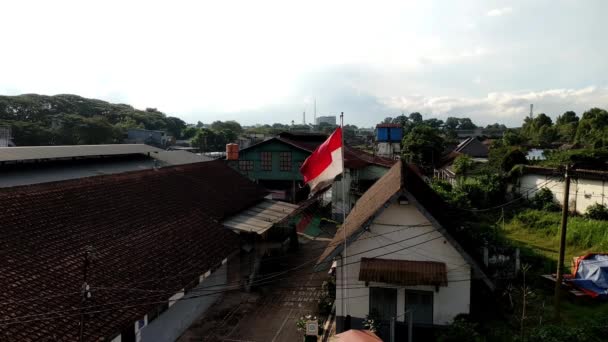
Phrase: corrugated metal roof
(260, 217)
(403, 272)
(71, 151)
(178, 157)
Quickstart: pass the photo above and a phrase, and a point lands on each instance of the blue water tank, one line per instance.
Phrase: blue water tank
(396, 134)
(382, 134)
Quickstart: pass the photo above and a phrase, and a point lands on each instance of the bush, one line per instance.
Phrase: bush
(597, 212)
(454, 196)
(543, 200)
(461, 330)
(559, 333)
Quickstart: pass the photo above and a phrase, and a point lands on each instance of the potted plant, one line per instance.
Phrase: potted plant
(301, 326)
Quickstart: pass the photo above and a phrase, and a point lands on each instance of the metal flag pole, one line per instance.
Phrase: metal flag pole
(343, 207)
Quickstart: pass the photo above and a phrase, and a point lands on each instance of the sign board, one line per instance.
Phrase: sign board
(312, 328)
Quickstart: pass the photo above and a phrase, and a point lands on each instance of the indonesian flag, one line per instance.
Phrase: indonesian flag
(325, 163)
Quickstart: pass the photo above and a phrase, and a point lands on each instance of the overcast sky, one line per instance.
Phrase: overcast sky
(266, 61)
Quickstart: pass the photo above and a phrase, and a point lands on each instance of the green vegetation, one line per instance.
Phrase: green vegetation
(539, 230)
(71, 119)
(423, 146)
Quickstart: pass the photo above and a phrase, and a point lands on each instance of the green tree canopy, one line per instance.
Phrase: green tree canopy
(423, 145)
(592, 130)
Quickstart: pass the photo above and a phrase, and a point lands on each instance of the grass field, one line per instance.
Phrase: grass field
(539, 231)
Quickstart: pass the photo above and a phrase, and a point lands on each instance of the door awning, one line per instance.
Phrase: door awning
(261, 217)
(403, 272)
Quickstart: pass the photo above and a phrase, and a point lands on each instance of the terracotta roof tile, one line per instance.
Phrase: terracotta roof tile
(153, 229)
(371, 201)
(403, 272)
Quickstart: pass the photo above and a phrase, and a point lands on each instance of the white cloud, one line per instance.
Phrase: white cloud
(497, 12)
(507, 107)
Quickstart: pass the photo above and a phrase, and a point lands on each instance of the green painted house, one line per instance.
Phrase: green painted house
(275, 164)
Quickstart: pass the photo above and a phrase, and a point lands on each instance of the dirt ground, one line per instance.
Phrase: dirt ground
(269, 312)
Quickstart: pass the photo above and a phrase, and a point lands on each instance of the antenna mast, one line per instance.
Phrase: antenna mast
(531, 111)
(315, 115)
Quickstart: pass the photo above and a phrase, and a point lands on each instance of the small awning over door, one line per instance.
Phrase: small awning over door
(403, 272)
(260, 217)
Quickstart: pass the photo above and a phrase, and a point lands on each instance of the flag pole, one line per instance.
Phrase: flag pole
(343, 206)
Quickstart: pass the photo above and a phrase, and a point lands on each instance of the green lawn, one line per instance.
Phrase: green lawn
(539, 231)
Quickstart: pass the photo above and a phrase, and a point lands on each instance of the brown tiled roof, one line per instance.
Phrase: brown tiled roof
(371, 201)
(153, 229)
(403, 272)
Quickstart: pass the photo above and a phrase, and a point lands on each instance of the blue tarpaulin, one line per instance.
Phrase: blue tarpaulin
(590, 275)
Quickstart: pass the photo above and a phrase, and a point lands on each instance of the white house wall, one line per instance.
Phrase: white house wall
(173, 322)
(386, 229)
(583, 192)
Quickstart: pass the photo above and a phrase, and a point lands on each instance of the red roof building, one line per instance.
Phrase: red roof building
(145, 236)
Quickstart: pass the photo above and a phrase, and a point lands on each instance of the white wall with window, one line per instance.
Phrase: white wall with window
(402, 232)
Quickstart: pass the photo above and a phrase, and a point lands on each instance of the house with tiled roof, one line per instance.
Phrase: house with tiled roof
(135, 256)
(275, 164)
(395, 257)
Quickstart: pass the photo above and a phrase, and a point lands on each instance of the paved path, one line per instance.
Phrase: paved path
(269, 313)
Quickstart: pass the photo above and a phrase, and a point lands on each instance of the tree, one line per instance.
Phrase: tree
(189, 132)
(423, 145)
(466, 123)
(592, 130)
(540, 130)
(512, 138)
(451, 123)
(415, 117)
(566, 126)
(462, 165)
(206, 140)
(227, 125)
(433, 123)
(175, 126)
(401, 119)
(387, 120)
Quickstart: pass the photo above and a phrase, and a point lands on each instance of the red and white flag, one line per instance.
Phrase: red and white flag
(325, 163)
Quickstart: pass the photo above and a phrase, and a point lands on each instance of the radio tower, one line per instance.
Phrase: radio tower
(303, 118)
(531, 111)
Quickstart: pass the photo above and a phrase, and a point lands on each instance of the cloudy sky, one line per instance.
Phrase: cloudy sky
(267, 61)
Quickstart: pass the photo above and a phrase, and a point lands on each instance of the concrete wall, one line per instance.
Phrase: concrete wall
(583, 192)
(447, 302)
(388, 150)
(181, 314)
(370, 172)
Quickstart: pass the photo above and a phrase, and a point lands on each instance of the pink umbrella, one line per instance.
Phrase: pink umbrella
(358, 336)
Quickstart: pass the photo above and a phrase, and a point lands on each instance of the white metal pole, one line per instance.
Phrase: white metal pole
(343, 204)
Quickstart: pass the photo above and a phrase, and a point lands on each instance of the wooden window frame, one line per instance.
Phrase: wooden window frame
(285, 161)
(266, 161)
(246, 165)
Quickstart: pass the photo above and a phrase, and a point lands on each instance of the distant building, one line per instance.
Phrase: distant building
(326, 119)
(275, 163)
(146, 136)
(388, 140)
(590, 187)
(5, 137)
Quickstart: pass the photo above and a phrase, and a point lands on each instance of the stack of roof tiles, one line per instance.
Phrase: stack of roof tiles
(152, 230)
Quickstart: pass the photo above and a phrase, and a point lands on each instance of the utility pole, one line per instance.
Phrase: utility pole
(562, 244)
(86, 291)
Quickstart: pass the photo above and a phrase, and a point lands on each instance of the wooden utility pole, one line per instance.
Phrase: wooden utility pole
(562, 244)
